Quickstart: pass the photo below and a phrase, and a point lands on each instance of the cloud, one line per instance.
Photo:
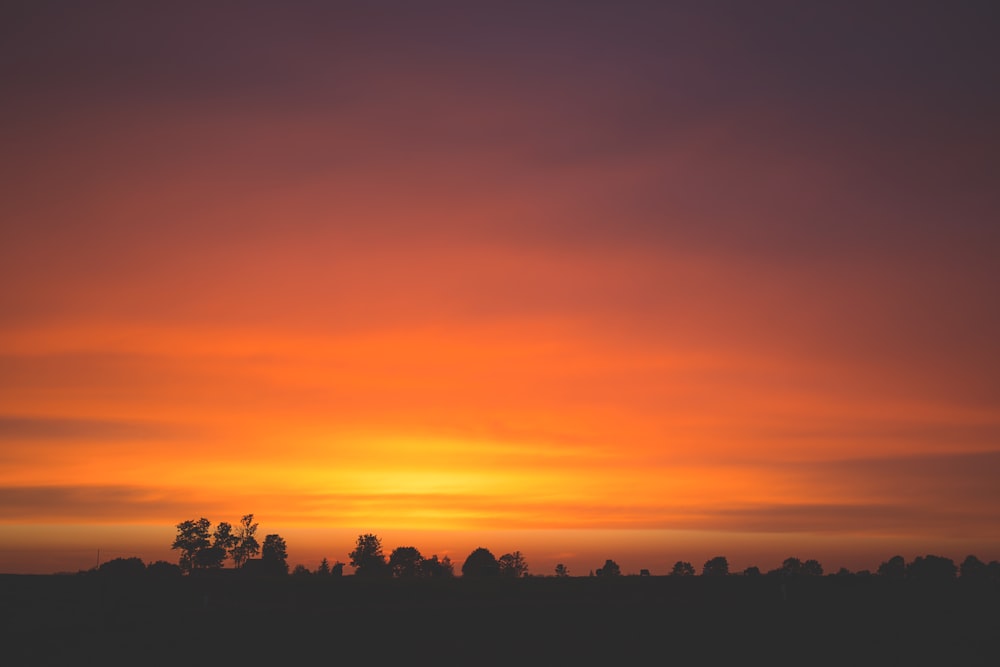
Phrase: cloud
(15, 428)
(90, 504)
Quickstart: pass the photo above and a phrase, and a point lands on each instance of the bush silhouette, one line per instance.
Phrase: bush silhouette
(480, 563)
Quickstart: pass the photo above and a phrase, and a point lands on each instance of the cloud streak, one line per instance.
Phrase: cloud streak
(18, 428)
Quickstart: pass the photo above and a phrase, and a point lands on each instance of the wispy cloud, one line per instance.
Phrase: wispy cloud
(16, 428)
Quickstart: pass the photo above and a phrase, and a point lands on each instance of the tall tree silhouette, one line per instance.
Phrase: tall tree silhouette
(367, 557)
(192, 538)
(245, 546)
(222, 541)
(274, 554)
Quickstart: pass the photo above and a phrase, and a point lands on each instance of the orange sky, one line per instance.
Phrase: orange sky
(625, 282)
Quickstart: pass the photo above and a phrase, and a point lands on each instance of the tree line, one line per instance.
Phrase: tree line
(202, 548)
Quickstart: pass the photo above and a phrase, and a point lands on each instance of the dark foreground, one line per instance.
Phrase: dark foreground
(226, 620)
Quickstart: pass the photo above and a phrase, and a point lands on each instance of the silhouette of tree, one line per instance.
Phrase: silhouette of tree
(843, 572)
(513, 565)
(245, 545)
(973, 569)
(715, 567)
(812, 568)
(562, 570)
(894, 568)
(791, 567)
(432, 567)
(123, 567)
(324, 568)
(682, 569)
(337, 569)
(610, 569)
(480, 563)
(752, 571)
(214, 555)
(163, 569)
(367, 557)
(192, 538)
(223, 537)
(301, 571)
(931, 568)
(274, 555)
(210, 558)
(405, 562)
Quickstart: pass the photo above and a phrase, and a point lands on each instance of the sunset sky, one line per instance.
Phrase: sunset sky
(650, 281)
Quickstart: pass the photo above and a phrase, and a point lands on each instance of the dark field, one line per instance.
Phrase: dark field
(232, 620)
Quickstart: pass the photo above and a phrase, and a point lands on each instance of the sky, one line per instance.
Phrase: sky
(632, 280)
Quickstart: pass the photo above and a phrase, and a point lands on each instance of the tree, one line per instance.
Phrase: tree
(163, 569)
(973, 569)
(367, 557)
(610, 569)
(682, 569)
(752, 571)
(432, 567)
(715, 567)
(274, 554)
(894, 568)
(337, 569)
(301, 571)
(245, 545)
(223, 537)
(562, 570)
(405, 562)
(324, 568)
(222, 542)
(931, 568)
(192, 538)
(480, 563)
(513, 565)
(812, 568)
(123, 567)
(791, 567)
